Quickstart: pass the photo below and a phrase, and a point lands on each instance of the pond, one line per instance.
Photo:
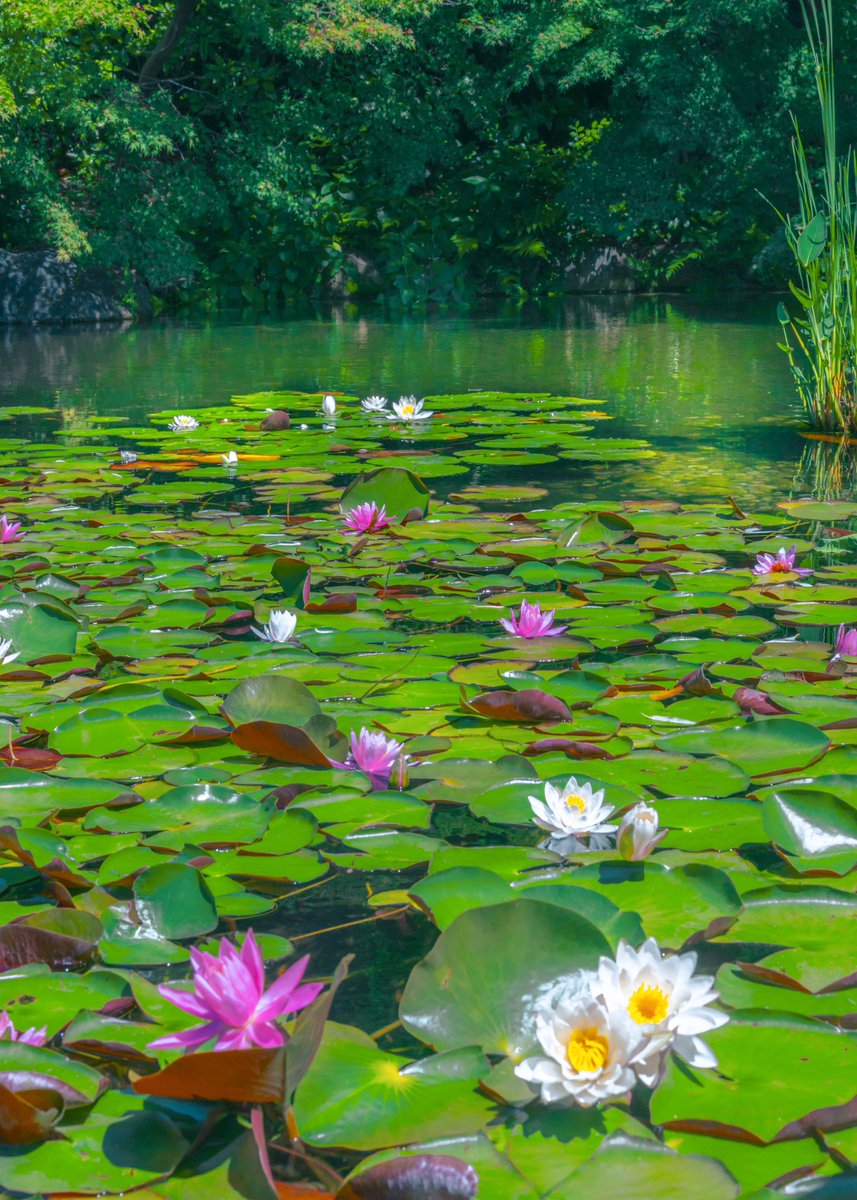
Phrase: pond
(704, 382)
(529, 715)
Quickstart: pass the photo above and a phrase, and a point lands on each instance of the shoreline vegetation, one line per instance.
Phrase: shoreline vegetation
(421, 153)
(821, 339)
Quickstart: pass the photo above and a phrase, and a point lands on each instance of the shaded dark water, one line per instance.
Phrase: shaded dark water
(704, 382)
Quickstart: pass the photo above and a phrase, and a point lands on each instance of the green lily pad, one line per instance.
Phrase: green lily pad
(464, 994)
(173, 899)
(756, 1051)
(773, 744)
(359, 1097)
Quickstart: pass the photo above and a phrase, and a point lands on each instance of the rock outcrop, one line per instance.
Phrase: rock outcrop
(36, 288)
(358, 278)
(607, 269)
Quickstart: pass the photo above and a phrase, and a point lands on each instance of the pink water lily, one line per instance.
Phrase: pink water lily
(9, 530)
(531, 622)
(366, 518)
(375, 754)
(779, 563)
(846, 642)
(229, 996)
(29, 1037)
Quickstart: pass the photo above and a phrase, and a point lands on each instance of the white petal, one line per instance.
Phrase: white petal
(692, 1021)
(696, 1052)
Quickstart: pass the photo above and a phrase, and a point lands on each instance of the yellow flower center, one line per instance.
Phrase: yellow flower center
(408, 410)
(587, 1050)
(648, 1005)
(576, 802)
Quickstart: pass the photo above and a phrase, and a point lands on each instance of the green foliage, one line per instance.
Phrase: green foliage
(823, 241)
(253, 152)
(169, 776)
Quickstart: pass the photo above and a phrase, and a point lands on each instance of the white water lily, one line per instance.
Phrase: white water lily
(183, 424)
(409, 408)
(328, 406)
(5, 656)
(279, 628)
(230, 459)
(575, 811)
(638, 833)
(127, 456)
(374, 403)
(664, 999)
(588, 1052)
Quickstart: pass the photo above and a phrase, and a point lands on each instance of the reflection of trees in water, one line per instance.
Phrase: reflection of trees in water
(78, 415)
(52, 359)
(827, 470)
(703, 381)
(660, 361)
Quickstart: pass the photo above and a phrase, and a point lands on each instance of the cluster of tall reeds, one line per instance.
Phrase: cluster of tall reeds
(821, 341)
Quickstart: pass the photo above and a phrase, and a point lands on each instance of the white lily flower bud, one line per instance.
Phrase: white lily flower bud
(638, 834)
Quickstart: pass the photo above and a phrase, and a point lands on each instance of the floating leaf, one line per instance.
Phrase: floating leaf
(745, 1097)
(357, 1096)
(400, 491)
(174, 900)
(435, 1175)
(464, 993)
(255, 1076)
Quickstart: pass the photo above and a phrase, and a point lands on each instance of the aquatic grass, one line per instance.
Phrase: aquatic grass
(821, 340)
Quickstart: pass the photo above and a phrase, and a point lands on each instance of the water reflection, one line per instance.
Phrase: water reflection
(827, 470)
(704, 382)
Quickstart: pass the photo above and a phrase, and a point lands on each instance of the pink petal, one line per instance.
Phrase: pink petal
(232, 998)
(302, 997)
(34, 1036)
(270, 1005)
(251, 956)
(234, 1039)
(186, 1001)
(188, 1039)
(266, 1035)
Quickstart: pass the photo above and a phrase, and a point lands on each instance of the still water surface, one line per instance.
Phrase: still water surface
(704, 382)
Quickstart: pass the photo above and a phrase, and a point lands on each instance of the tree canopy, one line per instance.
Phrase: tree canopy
(429, 149)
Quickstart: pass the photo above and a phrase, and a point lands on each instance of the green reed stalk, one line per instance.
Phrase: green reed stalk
(821, 342)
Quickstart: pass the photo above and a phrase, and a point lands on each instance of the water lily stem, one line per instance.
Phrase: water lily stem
(379, 1033)
(300, 891)
(395, 912)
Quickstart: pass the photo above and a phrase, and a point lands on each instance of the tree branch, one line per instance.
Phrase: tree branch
(154, 64)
